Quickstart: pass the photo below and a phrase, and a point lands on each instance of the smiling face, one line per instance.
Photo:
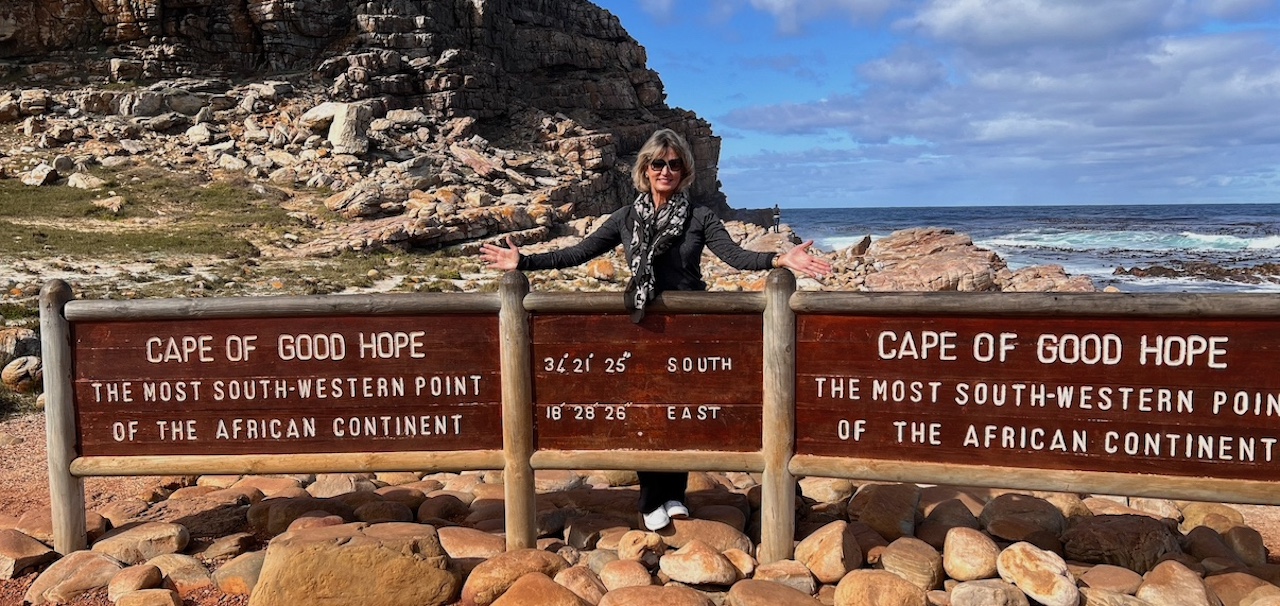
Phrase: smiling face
(665, 173)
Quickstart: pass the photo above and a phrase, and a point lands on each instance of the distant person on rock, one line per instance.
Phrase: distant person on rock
(662, 234)
(777, 219)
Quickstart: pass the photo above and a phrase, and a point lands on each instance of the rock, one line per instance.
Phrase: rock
(492, 577)
(889, 509)
(20, 553)
(1234, 588)
(1111, 578)
(113, 203)
(336, 484)
(648, 596)
(989, 592)
(717, 535)
(915, 561)
(1040, 574)
(1195, 513)
(331, 566)
(1156, 508)
(830, 552)
(624, 573)
(1033, 511)
(698, 564)
(72, 576)
(240, 575)
(930, 259)
(969, 555)
(1203, 543)
(348, 132)
(138, 543)
(877, 588)
(468, 547)
(791, 573)
(1101, 597)
(583, 583)
(949, 514)
(1172, 584)
(827, 490)
(17, 343)
(1136, 542)
(642, 546)
(764, 593)
(185, 573)
(150, 597)
(134, 578)
(538, 588)
(1247, 544)
(23, 374)
(41, 175)
(85, 181)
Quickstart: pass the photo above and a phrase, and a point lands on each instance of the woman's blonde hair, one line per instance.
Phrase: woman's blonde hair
(656, 147)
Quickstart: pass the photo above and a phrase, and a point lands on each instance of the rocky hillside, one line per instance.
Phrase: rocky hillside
(434, 122)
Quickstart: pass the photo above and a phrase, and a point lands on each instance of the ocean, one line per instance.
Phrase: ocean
(1087, 240)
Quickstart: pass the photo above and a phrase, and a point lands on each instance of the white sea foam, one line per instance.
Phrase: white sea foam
(1139, 240)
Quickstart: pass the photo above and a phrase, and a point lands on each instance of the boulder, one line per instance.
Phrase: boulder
(332, 566)
(20, 553)
(915, 561)
(137, 543)
(830, 552)
(538, 588)
(987, 592)
(1040, 574)
(698, 564)
(77, 573)
(765, 593)
(1136, 542)
(969, 555)
(649, 596)
(1172, 584)
(877, 588)
(493, 576)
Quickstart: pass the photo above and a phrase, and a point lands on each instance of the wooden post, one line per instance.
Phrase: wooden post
(517, 412)
(66, 491)
(778, 502)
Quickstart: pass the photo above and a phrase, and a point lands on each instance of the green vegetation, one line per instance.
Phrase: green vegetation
(162, 213)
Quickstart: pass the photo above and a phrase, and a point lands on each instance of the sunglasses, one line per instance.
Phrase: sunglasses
(676, 165)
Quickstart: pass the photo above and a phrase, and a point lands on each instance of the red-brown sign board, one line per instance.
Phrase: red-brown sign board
(672, 382)
(1189, 397)
(287, 385)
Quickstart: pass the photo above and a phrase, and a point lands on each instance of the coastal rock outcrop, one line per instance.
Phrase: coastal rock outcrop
(437, 122)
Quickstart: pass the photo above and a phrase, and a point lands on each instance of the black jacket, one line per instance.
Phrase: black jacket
(679, 268)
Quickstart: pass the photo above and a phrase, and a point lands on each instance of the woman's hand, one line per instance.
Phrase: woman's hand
(799, 260)
(501, 258)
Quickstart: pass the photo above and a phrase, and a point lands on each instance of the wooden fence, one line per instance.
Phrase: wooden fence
(1162, 395)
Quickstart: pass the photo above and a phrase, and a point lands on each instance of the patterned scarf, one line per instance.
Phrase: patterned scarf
(652, 232)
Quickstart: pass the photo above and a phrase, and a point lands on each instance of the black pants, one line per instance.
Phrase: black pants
(658, 487)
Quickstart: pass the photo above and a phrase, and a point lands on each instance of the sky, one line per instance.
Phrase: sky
(845, 103)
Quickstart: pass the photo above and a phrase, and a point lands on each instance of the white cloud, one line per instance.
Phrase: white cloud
(791, 15)
(909, 69)
(1151, 112)
(662, 9)
(1007, 23)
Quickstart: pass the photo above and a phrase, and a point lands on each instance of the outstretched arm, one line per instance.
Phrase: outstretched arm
(799, 260)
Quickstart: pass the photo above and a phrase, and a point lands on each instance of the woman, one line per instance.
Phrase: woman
(662, 235)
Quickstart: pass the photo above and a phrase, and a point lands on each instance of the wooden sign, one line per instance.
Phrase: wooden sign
(1189, 397)
(672, 382)
(287, 385)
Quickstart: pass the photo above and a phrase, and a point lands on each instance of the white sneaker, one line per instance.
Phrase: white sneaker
(676, 510)
(657, 519)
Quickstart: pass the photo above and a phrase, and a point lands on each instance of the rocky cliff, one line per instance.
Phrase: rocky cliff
(524, 114)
